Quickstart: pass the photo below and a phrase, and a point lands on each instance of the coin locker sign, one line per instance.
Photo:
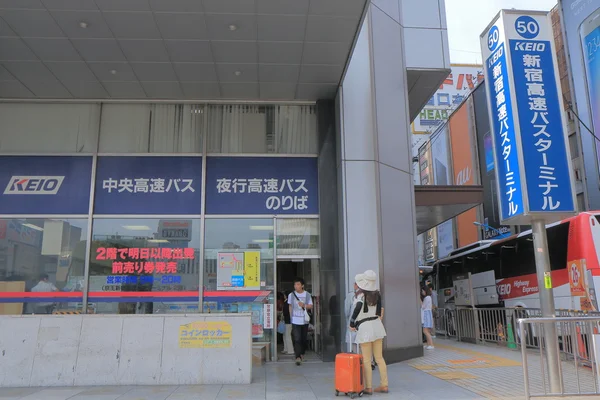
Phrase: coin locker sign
(205, 335)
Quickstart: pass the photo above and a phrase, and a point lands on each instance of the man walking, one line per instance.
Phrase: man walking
(300, 301)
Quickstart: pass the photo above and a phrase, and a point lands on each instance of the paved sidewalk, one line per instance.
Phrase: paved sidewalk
(282, 381)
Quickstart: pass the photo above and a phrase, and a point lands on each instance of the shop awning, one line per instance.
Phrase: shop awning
(436, 204)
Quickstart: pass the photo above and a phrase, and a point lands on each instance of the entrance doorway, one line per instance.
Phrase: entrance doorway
(308, 269)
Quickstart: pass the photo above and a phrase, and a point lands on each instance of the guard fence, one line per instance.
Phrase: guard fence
(577, 334)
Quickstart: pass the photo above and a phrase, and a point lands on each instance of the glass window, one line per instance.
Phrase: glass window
(238, 269)
(144, 266)
(42, 263)
(262, 129)
(49, 128)
(297, 237)
(151, 128)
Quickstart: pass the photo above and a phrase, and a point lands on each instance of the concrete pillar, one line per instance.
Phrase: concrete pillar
(376, 182)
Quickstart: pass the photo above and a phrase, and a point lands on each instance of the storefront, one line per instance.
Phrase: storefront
(158, 209)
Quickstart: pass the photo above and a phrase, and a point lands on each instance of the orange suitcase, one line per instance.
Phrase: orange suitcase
(349, 378)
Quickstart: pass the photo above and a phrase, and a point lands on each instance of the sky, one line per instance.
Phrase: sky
(468, 18)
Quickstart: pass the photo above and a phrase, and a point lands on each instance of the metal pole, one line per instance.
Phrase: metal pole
(542, 266)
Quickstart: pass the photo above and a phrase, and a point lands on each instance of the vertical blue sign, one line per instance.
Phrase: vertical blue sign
(505, 140)
(542, 137)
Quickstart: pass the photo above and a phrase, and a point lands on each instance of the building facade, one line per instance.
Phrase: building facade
(195, 157)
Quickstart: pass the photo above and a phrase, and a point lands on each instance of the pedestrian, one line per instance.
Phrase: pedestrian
(366, 321)
(43, 286)
(288, 345)
(300, 301)
(427, 316)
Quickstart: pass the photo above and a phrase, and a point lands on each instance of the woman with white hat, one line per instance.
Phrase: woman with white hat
(366, 321)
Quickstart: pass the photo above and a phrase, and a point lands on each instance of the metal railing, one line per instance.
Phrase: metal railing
(577, 372)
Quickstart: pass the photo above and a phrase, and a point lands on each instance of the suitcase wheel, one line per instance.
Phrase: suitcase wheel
(337, 392)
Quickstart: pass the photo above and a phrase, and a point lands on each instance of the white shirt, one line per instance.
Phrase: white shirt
(426, 305)
(297, 311)
(43, 286)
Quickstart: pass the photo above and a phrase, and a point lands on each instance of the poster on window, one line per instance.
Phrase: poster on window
(238, 270)
(148, 185)
(261, 185)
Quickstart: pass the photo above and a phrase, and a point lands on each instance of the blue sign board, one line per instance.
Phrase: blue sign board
(45, 185)
(505, 141)
(261, 185)
(148, 185)
(545, 156)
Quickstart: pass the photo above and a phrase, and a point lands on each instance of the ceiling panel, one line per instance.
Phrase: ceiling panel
(48, 88)
(220, 26)
(132, 25)
(99, 49)
(70, 4)
(31, 23)
(280, 52)
(5, 29)
(86, 90)
(196, 72)
(25, 4)
(335, 29)
(235, 52)
(69, 22)
(348, 8)
(267, 49)
(229, 6)
(281, 28)
(237, 72)
(201, 90)
(176, 5)
(325, 53)
(189, 50)
(112, 71)
(15, 49)
(123, 5)
(74, 71)
(125, 90)
(244, 90)
(278, 73)
(277, 91)
(163, 90)
(145, 50)
(59, 49)
(14, 89)
(182, 26)
(154, 72)
(321, 73)
(283, 7)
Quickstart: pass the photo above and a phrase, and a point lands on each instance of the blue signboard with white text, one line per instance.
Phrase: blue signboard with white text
(533, 168)
(261, 185)
(148, 185)
(45, 185)
(509, 176)
(545, 155)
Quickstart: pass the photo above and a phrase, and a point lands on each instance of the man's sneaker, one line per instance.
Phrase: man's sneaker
(298, 361)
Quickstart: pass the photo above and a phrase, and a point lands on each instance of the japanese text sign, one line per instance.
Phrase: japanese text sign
(45, 185)
(530, 146)
(148, 185)
(205, 335)
(153, 260)
(261, 185)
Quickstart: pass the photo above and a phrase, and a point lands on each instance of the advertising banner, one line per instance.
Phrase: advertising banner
(577, 277)
(148, 185)
(445, 238)
(461, 142)
(45, 185)
(261, 185)
(581, 23)
(530, 145)
(238, 270)
(205, 335)
(491, 216)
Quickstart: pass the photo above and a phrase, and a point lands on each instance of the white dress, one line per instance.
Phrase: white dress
(368, 331)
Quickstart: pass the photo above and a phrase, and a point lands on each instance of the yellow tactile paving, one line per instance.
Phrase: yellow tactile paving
(494, 361)
(453, 375)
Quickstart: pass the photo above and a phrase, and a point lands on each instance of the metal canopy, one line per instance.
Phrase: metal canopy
(437, 204)
(175, 49)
